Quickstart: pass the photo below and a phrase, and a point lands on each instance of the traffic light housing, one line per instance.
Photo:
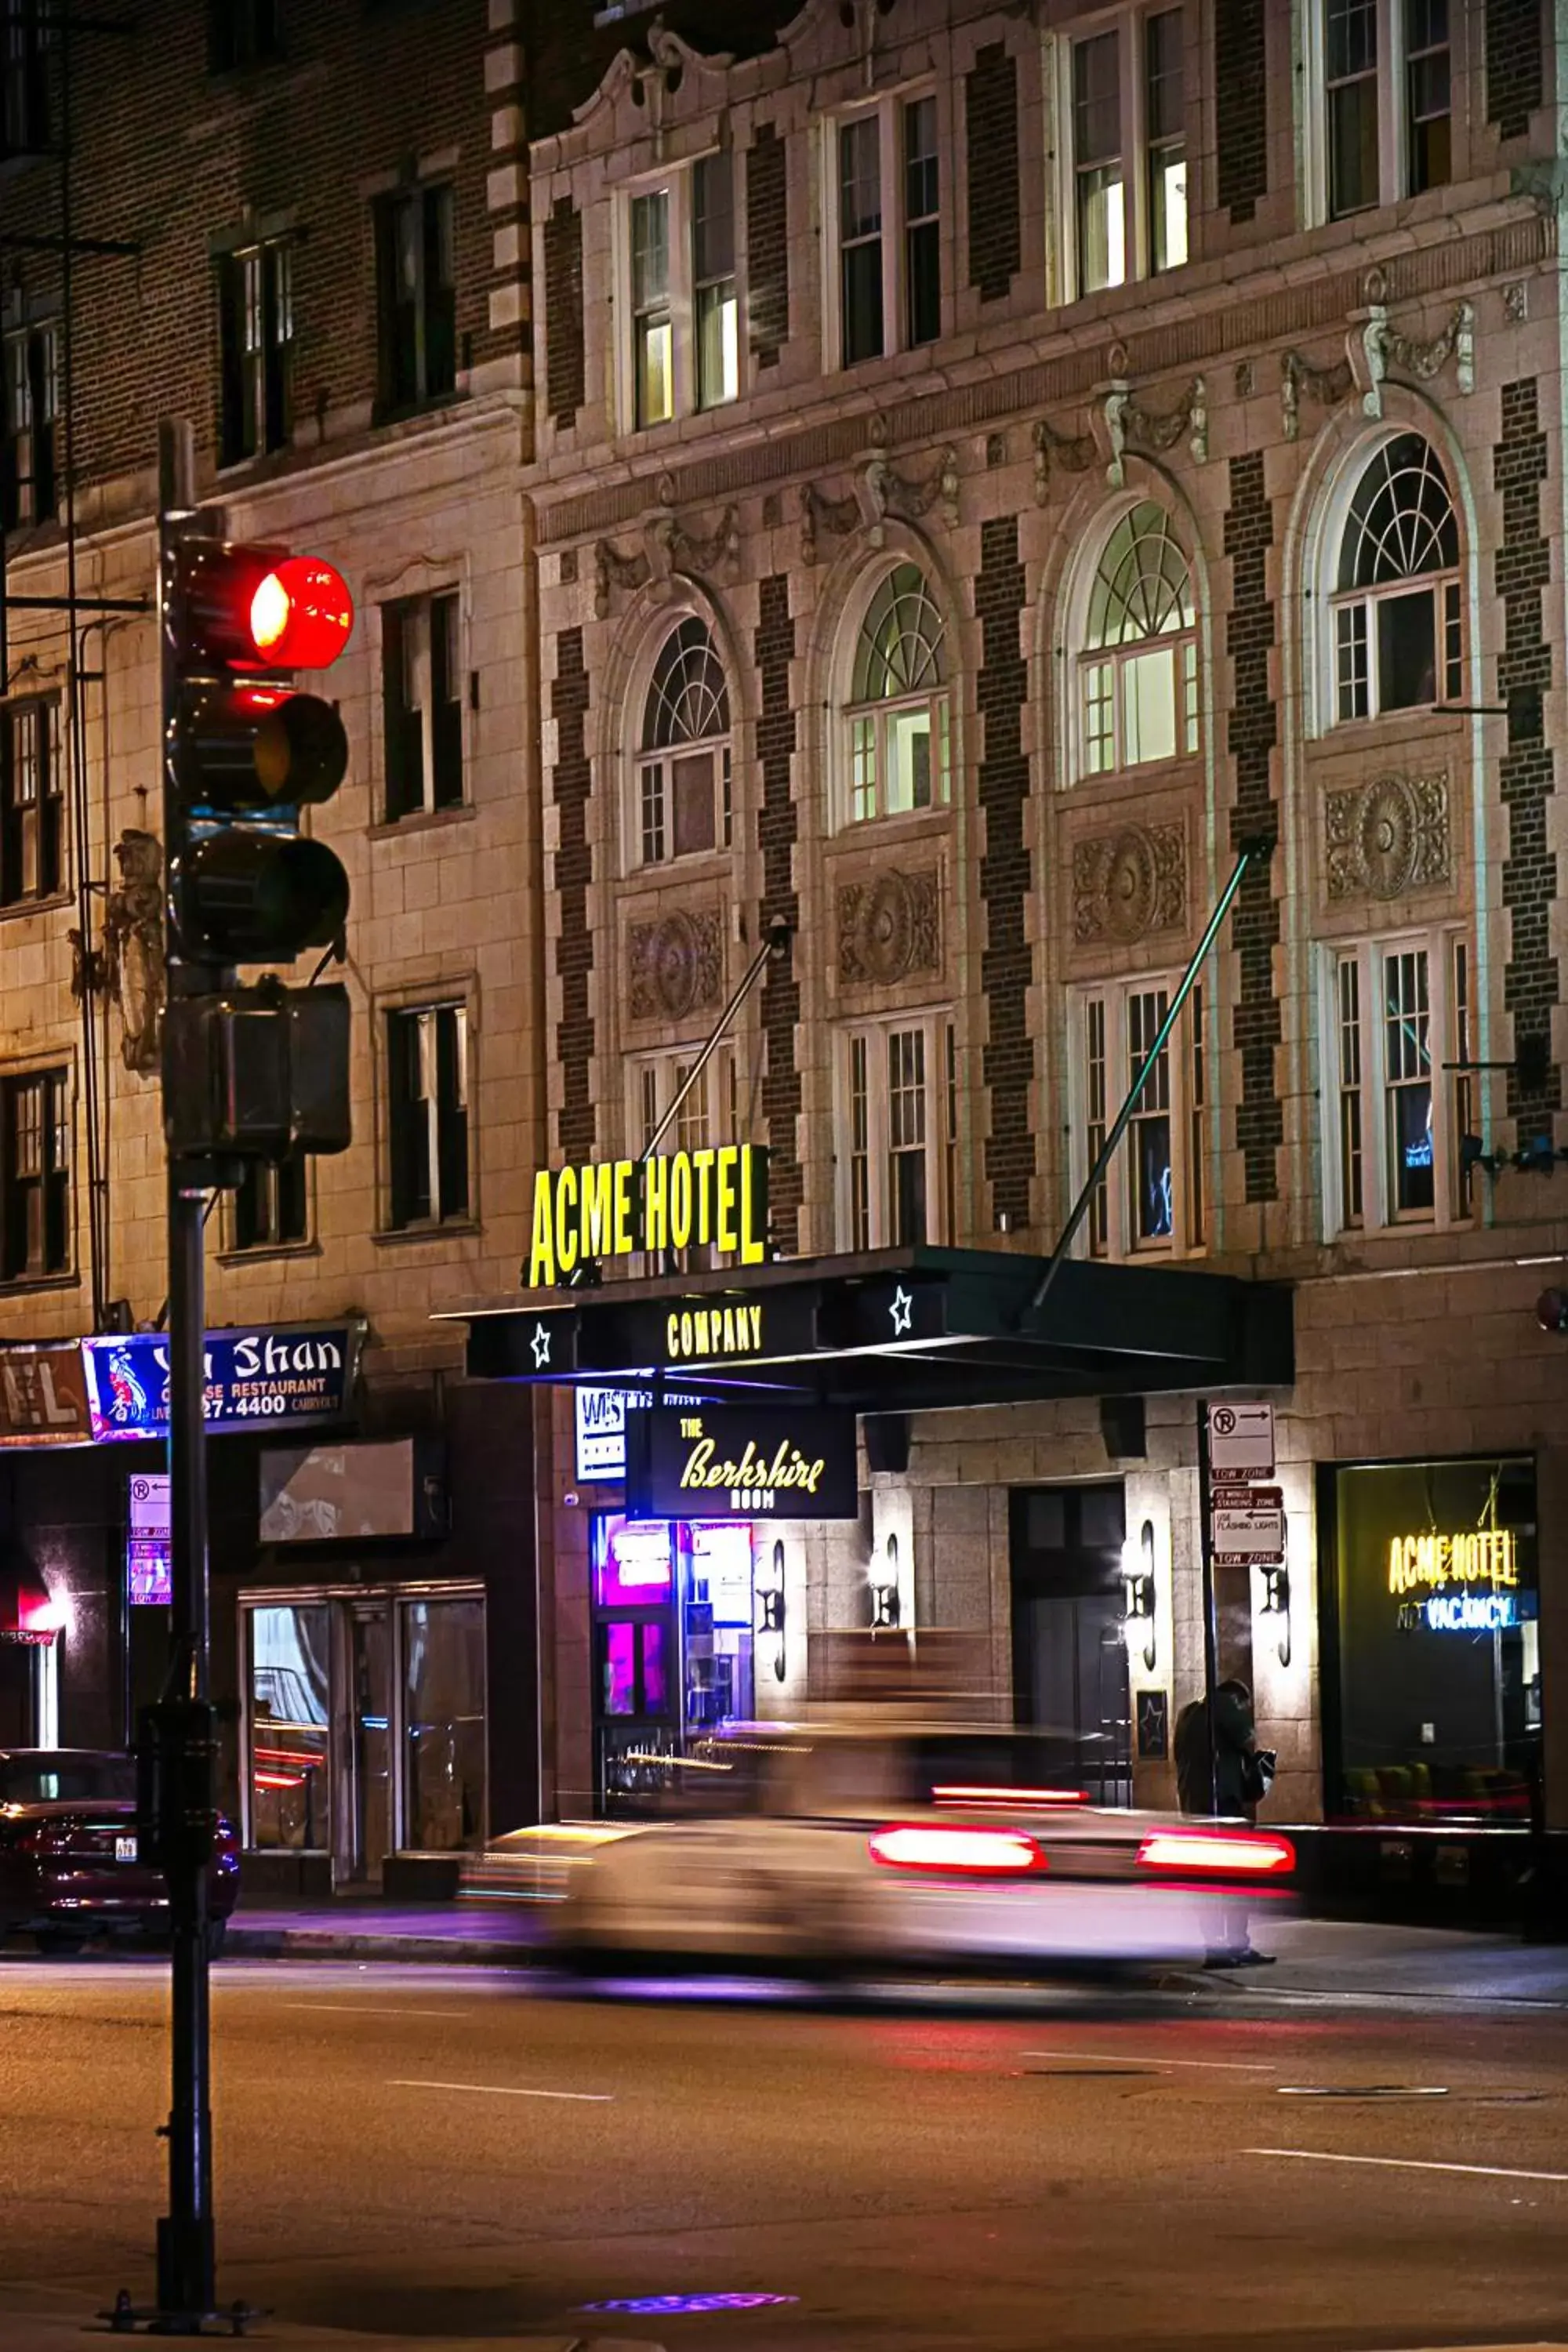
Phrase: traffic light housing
(246, 751)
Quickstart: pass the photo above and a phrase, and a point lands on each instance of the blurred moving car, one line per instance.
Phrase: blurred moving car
(852, 1847)
(70, 1866)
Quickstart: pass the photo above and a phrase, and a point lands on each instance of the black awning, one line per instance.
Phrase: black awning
(901, 1331)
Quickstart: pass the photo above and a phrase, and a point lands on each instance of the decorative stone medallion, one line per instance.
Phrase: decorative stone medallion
(1388, 837)
(674, 966)
(888, 926)
(1127, 884)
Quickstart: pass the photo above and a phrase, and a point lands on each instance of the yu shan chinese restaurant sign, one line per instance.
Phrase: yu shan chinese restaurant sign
(732, 1462)
(716, 1198)
(254, 1378)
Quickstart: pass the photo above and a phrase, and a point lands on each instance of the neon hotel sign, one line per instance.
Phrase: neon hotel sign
(716, 1198)
(1469, 1580)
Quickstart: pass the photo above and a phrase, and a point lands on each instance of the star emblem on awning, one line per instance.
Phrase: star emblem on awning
(901, 1309)
(541, 1346)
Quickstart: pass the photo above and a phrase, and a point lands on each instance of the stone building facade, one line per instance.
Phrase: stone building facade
(991, 465)
(305, 234)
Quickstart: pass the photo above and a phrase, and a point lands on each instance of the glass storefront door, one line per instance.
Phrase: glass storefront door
(364, 1724)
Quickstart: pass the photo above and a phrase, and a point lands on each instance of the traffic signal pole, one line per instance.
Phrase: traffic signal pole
(186, 2259)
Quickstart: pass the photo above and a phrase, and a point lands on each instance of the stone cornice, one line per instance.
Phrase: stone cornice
(1247, 325)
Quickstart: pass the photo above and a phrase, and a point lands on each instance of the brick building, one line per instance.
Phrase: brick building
(992, 466)
(304, 230)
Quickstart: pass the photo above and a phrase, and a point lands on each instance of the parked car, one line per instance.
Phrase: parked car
(70, 1866)
(855, 1846)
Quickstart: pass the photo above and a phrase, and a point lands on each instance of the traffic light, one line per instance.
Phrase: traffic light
(246, 751)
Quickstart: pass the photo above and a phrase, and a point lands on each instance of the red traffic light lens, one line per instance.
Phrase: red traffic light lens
(302, 614)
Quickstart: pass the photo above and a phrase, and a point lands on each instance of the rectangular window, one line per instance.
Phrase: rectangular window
(1101, 192)
(271, 1205)
(417, 288)
(708, 1114)
(1431, 1570)
(684, 805)
(427, 1101)
(717, 303)
(888, 178)
(1396, 1012)
(1152, 1198)
(1351, 83)
(256, 331)
(289, 1653)
(29, 399)
(861, 238)
(922, 224)
(35, 1175)
(442, 1653)
(31, 803)
(1165, 115)
(422, 704)
(242, 33)
(653, 332)
(29, 32)
(897, 1101)
(1427, 98)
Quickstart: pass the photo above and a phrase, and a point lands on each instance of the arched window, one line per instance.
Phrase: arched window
(897, 702)
(683, 761)
(1397, 639)
(1139, 665)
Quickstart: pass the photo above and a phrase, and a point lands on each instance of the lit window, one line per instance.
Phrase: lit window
(683, 803)
(887, 180)
(35, 1175)
(1397, 637)
(422, 705)
(1397, 1012)
(1138, 665)
(256, 335)
(428, 1099)
(1127, 123)
(1152, 1198)
(30, 423)
(1386, 78)
(898, 1101)
(684, 293)
(898, 758)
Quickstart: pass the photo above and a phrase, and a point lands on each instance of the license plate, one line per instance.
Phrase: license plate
(124, 1849)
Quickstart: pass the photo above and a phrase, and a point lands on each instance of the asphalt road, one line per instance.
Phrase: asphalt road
(443, 2151)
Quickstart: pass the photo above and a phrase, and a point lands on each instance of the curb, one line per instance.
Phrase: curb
(334, 1943)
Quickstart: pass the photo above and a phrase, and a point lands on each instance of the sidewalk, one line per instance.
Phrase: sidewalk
(1314, 1958)
(52, 2319)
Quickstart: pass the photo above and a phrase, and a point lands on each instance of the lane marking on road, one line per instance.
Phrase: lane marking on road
(1138, 2058)
(499, 2090)
(370, 2008)
(1405, 2164)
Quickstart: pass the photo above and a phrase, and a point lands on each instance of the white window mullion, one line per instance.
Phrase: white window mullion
(1134, 146)
(1391, 47)
(889, 125)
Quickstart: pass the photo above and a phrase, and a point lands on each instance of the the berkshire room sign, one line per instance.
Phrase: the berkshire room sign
(718, 1461)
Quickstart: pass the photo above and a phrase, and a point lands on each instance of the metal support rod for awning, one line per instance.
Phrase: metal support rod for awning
(1249, 853)
(773, 947)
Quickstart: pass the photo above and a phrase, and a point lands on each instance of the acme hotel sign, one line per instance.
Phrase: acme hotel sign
(715, 1198)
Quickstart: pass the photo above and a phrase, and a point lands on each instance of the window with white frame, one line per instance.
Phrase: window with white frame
(887, 184)
(897, 1126)
(1138, 665)
(29, 426)
(1152, 1198)
(709, 1115)
(1397, 1012)
(422, 704)
(1126, 138)
(898, 754)
(684, 292)
(683, 781)
(1398, 641)
(1387, 106)
(427, 1115)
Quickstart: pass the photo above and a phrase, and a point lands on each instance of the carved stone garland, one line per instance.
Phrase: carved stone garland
(667, 548)
(880, 490)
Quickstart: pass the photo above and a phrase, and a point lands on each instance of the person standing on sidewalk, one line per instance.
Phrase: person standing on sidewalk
(1226, 1780)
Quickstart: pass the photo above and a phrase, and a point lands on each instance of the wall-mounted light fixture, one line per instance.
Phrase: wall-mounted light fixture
(1277, 1605)
(886, 1613)
(768, 1614)
(1138, 1583)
